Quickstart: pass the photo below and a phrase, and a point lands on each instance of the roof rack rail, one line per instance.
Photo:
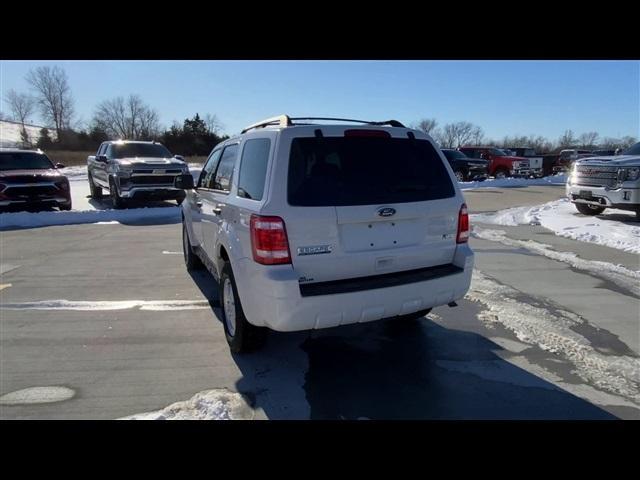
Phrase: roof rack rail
(286, 121)
(280, 120)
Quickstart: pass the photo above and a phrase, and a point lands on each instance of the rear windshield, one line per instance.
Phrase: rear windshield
(634, 150)
(129, 150)
(24, 161)
(340, 171)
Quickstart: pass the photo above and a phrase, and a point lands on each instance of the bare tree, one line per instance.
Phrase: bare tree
(127, 118)
(427, 125)
(21, 105)
(477, 135)
(588, 139)
(53, 96)
(458, 134)
(567, 139)
(213, 123)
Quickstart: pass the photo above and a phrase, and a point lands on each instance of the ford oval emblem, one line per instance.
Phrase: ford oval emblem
(386, 211)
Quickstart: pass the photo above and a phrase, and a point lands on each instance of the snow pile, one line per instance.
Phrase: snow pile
(10, 134)
(562, 218)
(621, 276)
(559, 179)
(45, 219)
(216, 404)
(552, 331)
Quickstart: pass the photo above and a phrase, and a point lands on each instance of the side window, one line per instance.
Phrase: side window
(222, 180)
(209, 167)
(102, 148)
(253, 168)
(110, 152)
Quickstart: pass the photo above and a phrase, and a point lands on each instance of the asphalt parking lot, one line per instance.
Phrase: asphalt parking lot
(110, 313)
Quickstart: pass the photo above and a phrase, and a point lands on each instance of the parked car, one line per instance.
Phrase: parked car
(568, 157)
(502, 165)
(135, 170)
(314, 226)
(536, 161)
(606, 182)
(465, 168)
(29, 179)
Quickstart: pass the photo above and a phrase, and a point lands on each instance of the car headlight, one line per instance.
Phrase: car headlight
(124, 168)
(631, 173)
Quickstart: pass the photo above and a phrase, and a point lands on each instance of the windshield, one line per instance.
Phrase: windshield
(128, 150)
(24, 161)
(340, 171)
(454, 155)
(633, 150)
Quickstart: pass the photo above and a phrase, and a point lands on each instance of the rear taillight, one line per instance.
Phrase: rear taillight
(463, 225)
(269, 243)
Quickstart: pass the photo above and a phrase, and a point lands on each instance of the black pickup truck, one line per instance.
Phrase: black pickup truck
(466, 168)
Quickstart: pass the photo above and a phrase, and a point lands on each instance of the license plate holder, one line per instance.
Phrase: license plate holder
(586, 194)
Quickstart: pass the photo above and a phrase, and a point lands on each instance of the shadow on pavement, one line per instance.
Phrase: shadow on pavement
(399, 370)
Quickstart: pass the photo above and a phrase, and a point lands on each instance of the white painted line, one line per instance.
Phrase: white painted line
(4, 285)
(165, 252)
(155, 305)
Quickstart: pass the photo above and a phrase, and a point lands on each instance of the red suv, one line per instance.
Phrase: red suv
(501, 164)
(29, 179)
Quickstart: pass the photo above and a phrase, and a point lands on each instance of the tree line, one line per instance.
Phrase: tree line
(117, 118)
(454, 135)
(131, 118)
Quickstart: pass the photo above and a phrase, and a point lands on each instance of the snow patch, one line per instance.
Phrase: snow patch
(561, 217)
(153, 305)
(552, 332)
(621, 276)
(33, 395)
(216, 404)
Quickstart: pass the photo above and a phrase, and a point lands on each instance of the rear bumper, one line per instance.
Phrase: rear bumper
(271, 296)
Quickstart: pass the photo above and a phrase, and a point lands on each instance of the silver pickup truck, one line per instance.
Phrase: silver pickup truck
(135, 170)
(597, 183)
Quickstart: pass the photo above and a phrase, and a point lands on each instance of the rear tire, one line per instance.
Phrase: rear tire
(65, 208)
(191, 260)
(241, 336)
(94, 190)
(587, 209)
(116, 199)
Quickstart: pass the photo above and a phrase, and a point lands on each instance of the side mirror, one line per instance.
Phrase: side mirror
(179, 157)
(102, 158)
(184, 182)
(59, 165)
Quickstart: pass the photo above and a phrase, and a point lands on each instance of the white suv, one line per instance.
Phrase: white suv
(309, 226)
